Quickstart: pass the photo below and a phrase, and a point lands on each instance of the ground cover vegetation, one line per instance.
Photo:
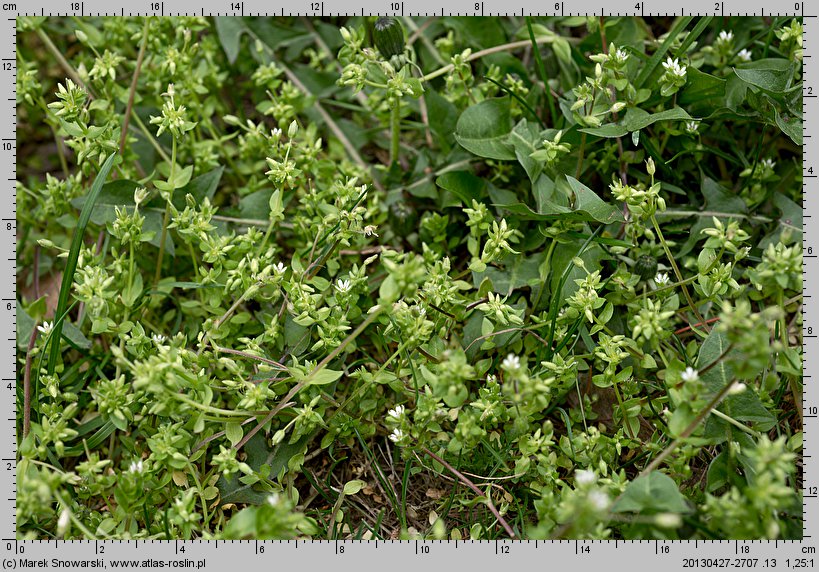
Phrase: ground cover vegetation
(409, 278)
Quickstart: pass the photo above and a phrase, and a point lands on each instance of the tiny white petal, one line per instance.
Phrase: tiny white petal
(599, 500)
(511, 363)
(745, 55)
(584, 477)
(690, 374)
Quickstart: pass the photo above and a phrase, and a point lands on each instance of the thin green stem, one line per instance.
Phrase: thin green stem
(167, 218)
(374, 314)
(395, 131)
(487, 52)
(676, 270)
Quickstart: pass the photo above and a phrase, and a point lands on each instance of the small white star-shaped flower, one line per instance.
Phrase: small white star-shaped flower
(661, 279)
(135, 467)
(725, 37)
(744, 55)
(279, 268)
(599, 500)
(397, 435)
(672, 65)
(584, 477)
(46, 328)
(343, 286)
(396, 413)
(690, 374)
(158, 338)
(511, 363)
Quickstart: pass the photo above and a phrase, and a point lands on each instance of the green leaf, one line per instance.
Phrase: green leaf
(353, 487)
(703, 89)
(71, 261)
(773, 74)
(483, 129)
(325, 376)
(442, 115)
(587, 207)
(259, 454)
(636, 119)
(463, 185)
(234, 432)
(653, 493)
(609, 130)
(526, 139)
(230, 30)
(789, 229)
(790, 126)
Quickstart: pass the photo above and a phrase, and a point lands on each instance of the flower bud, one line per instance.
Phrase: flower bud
(293, 129)
(650, 168)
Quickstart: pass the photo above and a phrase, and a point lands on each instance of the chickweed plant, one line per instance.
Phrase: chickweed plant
(375, 278)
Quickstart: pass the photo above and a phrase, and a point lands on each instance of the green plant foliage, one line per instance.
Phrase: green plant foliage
(450, 278)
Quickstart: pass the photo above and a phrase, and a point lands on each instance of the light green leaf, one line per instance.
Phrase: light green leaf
(353, 487)
(234, 432)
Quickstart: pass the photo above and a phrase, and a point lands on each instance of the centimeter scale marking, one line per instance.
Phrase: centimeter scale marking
(392, 555)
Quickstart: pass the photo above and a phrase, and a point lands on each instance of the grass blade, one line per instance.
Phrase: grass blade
(682, 24)
(71, 262)
(542, 72)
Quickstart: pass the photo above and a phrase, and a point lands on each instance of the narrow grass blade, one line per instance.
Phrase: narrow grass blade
(542, 72)
(682, 24)
(71, 262)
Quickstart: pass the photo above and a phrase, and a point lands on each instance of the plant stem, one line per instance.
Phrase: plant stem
(474, 487)
(676, 270)
(395, 131)
(167, 218)
(132, 92)
(377, 311)
(487, 52)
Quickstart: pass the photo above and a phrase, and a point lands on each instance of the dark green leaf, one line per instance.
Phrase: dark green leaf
(655, 492)
(773, 74)
(484, 128)
(463, 184)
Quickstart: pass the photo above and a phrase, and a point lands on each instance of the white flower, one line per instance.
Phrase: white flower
(158, 338)
(397, 435)
(135, 467)
(673, 66)
(369, 230)
(725, 37)
(396, 413)
(599, 500)
(276, 132)
(661, 279)
(584, 477)
(744, 55)
(343, 286)
(511, 363)
(690, 374)
(667, 520)
(62, 522)
(768, 164)
(273, 499)
(279, 268)
(737, 388)
(46, 328)
(621, 55)
(692, 126)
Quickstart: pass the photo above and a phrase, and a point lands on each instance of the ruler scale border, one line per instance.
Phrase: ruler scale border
(398, 555)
